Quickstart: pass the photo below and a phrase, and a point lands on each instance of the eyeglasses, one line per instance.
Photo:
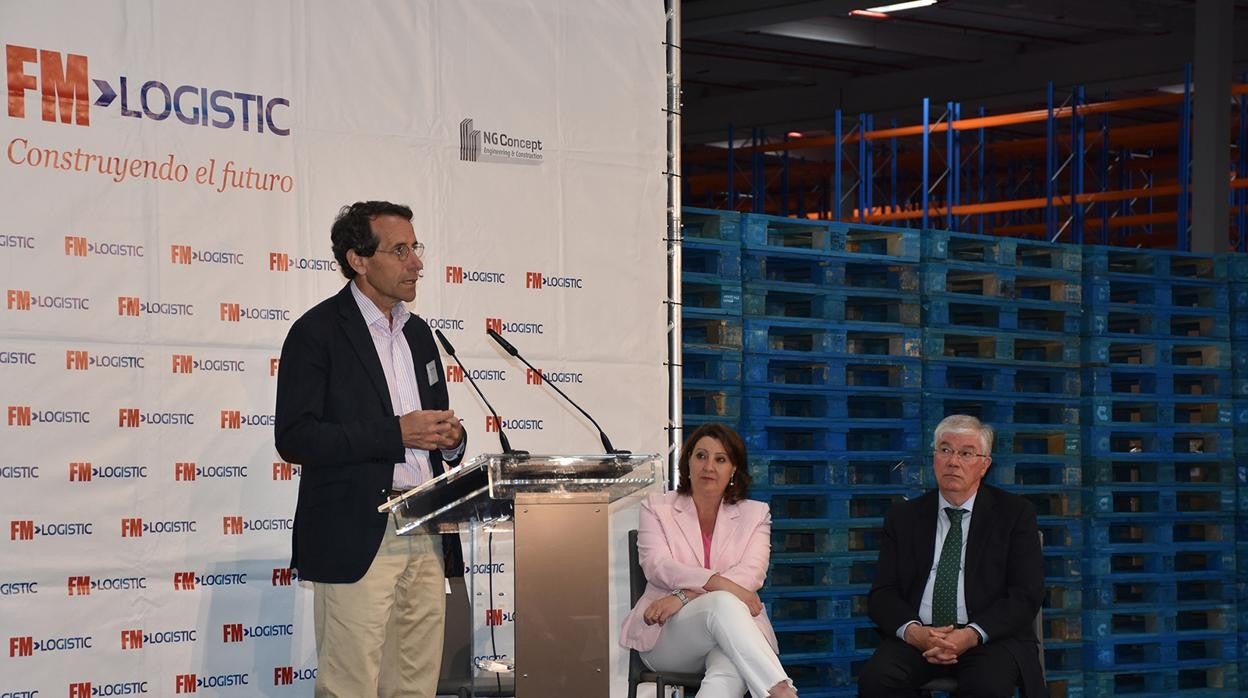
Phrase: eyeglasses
(947, 452)
(404, 251)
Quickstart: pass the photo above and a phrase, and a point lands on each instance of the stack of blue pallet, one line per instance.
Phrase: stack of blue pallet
(1117, 380)
(1001, 320)
(830, 410)
(711, 317)
(1160, 614)
(1237, 270)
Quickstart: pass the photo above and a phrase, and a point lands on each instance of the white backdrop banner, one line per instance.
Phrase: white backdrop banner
(170, 172)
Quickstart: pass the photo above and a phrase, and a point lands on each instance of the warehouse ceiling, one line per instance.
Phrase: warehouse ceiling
(787, 65)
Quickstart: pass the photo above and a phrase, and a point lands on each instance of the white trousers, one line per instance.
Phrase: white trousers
(715, 633)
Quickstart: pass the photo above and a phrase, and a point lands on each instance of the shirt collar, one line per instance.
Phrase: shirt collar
(373, 315)
(968, 505)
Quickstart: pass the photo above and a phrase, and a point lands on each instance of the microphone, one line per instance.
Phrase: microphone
(606, 442)
(502, 438)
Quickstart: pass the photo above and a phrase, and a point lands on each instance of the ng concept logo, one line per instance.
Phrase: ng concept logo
(62, 83)
(481, 145)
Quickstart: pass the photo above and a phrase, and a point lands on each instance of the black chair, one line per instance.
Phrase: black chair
(948, 684)
(638, 672)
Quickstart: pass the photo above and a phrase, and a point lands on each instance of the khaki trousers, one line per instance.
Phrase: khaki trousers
(382, 636)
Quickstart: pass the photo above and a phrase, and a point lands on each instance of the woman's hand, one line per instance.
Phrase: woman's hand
(719, 582)
(662, 609)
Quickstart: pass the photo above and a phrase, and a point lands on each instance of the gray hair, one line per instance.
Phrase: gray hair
(965, 424)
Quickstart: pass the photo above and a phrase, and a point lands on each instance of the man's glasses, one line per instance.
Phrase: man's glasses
(947, 452)
(405, 251)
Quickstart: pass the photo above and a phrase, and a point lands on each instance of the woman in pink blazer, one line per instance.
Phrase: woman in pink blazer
(704, 549)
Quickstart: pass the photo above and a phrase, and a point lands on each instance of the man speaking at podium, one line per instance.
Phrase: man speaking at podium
(362, 406)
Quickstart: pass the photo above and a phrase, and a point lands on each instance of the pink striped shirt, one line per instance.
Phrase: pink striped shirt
(396, 362)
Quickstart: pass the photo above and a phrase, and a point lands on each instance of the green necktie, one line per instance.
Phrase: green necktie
(945, 591)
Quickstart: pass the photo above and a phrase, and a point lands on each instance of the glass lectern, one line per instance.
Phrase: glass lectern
(559, 506)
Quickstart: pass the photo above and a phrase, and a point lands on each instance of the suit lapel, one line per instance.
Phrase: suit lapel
(977, 537)
(727, 521)
(685, 515)
(352, 323)
(925, 553)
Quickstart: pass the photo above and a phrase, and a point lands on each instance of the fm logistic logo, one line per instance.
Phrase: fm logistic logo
(133, 418)
(189, 471)
(61, 82)
(444, 323)
(284, 472)
(133, 306)
(493, 423)
(288, 675)
(191, 683)
(19, 472)
(503, 327)
(284, 577)
(27, 529)
(236, 525)
(538, 376)
(84, 471)
(497, 616)
(186, 255)
(28, 416)
(237, 632)
(80, 246)
(482, 145)
(136, 527)
(281, 261)
(19, 588)
(16, 242)
(235, 419)
(537, 280)
(190, 581)
(235, 312)
(27, 645)
(83, 585)
(91, 689)
(137, 638)
(19, 358)
(187, 363)
(455, 374)
(459, 275)
(82, 360)
(21, 299)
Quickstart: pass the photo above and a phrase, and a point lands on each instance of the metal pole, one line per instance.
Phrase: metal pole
(1182, 236)
(927, 135)
(675, 372)
(983, 148)
(951, 186)
(836, 202)
(892, 145)
(1050, 217)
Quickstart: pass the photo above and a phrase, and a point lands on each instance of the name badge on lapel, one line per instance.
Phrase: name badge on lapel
(431, 369)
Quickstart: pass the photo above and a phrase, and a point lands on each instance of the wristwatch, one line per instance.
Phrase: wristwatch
(680, 594)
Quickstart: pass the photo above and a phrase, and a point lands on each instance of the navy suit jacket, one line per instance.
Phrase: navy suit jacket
(1004, 575)
(334, 418)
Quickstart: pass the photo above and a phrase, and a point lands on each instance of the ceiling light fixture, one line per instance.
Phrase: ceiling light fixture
(869, 14)
(899, 6)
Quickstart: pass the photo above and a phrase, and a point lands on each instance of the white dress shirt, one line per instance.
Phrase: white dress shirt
(942, 529)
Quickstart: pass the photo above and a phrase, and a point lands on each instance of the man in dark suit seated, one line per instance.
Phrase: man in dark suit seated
(362, 405)
(959, 581)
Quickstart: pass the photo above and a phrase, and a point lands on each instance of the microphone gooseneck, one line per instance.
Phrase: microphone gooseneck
(502, 437)
(507, 347)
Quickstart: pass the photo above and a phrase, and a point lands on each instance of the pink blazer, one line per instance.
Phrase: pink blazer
(669, 545)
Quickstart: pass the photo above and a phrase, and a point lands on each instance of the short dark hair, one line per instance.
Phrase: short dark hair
(353, 230)
(739, 486)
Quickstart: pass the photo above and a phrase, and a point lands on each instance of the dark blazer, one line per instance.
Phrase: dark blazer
(1004, 576)
(335, 419)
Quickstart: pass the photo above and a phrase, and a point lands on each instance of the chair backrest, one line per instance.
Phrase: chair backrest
(636, 578)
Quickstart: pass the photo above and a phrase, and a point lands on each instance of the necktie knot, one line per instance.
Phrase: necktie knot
(955, 515)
